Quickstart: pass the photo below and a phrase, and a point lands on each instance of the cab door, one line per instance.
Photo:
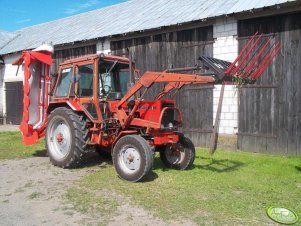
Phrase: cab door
(85, 89)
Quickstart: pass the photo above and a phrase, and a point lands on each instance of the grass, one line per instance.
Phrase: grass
(232, 188)
(11, 146)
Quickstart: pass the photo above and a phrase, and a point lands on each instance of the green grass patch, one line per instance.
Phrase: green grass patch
(232, 188)
(11, 146)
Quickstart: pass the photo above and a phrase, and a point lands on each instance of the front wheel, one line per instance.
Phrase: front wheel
(66, 137)
(132, 158)
(179, 156)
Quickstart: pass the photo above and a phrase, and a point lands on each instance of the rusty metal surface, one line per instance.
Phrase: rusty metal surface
(128, 17)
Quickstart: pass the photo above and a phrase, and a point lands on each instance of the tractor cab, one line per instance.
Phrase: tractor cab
(76, 77)
(94, 82)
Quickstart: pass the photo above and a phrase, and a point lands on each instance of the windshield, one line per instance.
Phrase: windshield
(64, 82)
(113, 79)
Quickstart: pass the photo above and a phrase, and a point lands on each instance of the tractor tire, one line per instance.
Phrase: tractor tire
(132, 158)
(66, 138)
(179, 157)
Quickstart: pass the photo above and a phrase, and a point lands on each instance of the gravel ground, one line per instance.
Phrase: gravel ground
(31, 191)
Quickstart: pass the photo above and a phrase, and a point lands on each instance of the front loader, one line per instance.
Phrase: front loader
(97, 102)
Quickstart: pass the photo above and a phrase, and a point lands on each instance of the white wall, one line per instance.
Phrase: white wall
(9, 72)
(225, 47)
(103, 47)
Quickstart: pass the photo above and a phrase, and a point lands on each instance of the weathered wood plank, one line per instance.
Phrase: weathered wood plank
(60, 56)
(274, 111)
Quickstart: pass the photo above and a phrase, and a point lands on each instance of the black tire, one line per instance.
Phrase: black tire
(181, 156)
(132, 158)
(66, 138)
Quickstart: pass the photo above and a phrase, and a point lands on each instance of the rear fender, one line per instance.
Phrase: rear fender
(72, 104)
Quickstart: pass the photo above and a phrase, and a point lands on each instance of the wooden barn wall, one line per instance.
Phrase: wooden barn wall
(178, 49)
(66, 54)
(270, 113)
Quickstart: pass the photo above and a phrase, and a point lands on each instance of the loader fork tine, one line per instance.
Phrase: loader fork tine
(254, 58)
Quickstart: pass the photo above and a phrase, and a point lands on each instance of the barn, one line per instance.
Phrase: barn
(265, 117)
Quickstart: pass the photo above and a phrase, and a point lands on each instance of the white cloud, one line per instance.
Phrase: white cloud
(23, 21)
(79, 7)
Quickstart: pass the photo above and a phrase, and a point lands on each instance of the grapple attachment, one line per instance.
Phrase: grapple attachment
(251, 62)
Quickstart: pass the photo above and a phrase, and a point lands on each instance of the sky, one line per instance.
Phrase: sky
(15, 14)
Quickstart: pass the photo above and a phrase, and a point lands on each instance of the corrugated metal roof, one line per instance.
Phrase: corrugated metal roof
(127, 17)
(5, 37)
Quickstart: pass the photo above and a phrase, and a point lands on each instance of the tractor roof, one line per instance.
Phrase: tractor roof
(94, 56)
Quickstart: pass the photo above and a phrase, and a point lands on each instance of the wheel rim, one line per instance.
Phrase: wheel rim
(174, 155)
(59, 139)
(129, 159)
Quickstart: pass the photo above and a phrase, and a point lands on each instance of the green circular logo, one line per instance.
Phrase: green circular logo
(282, 215)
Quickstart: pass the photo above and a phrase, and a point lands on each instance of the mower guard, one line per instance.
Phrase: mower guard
(35, 100)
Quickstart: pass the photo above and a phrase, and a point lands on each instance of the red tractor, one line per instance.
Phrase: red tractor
(97, 102)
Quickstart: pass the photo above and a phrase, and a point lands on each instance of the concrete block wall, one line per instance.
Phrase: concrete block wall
(103, 46)
(225, 47)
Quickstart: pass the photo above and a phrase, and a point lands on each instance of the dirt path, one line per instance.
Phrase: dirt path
(9, 128)
(32, 190)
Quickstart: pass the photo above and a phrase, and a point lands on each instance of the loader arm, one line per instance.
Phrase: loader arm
(174, 80)
(174, 85)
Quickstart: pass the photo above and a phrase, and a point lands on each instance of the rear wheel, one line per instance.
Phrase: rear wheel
(66, 137)
(132, 158)
(179, 156)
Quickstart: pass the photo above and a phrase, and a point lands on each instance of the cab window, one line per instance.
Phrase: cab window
(64, 82)
(113, 79)
(85, 83)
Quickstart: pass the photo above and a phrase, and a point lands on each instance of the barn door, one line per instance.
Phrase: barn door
(270, 110)
(14, 102)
